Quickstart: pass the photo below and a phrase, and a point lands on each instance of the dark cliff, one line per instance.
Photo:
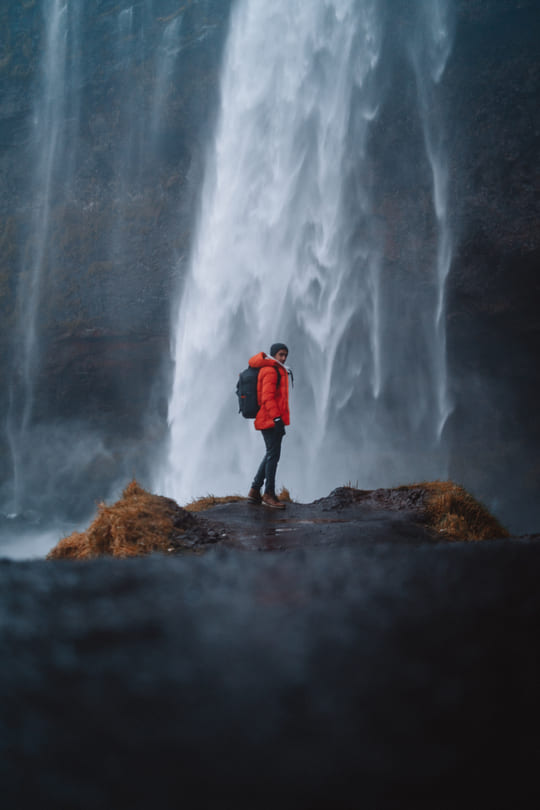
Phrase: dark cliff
(494, 289)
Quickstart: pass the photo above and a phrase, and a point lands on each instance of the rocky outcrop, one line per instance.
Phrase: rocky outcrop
(141, 523)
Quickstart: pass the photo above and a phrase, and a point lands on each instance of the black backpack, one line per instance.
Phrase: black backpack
(246, 391)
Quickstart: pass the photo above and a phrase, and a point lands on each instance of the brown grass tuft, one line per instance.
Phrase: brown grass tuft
(284, 495)
(451, 511)
(208, 501)
(137, 524)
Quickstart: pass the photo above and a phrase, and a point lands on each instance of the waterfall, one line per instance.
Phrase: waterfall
(297, 242)
(429, 55)
(133, 50)
(54, 107)
(167, 53)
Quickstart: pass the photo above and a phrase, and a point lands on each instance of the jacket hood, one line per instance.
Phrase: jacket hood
(262, 359)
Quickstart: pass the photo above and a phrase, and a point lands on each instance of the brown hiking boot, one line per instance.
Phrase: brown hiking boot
(272, 501)
(254, 496)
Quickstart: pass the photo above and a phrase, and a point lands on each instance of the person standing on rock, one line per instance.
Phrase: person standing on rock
(272, 416)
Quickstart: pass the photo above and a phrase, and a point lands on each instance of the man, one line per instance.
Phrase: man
(272, 416)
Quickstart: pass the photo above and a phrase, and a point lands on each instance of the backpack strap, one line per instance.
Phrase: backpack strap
(287, 369)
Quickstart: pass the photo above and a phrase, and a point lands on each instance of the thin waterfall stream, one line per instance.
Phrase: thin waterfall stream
(308, 179)
(54, 105)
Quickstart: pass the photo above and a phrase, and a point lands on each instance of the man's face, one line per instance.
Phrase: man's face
(281, 355)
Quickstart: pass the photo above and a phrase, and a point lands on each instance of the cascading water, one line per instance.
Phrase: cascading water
(167, 53)
(55, 104)
(312, 231)
(429, 53)
(139, 45)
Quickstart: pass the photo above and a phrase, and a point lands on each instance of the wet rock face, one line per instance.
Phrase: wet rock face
(494, 288)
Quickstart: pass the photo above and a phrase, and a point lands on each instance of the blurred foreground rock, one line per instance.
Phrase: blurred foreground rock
(381, 675)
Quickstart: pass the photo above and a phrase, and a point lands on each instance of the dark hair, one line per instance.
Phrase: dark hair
(277, 347)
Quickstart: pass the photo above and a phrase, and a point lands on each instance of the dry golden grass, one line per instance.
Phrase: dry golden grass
(208, 501)
(138, 523)
(451, 511)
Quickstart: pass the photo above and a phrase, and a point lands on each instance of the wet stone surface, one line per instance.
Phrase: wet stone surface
(345, 518)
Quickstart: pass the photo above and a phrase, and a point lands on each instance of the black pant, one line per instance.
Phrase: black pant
(267, 468)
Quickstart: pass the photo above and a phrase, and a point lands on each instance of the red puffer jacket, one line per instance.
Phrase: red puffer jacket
(273, 399)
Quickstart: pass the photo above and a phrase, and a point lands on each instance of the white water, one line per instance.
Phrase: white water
(52, 105)
(281, 254)
(166, 56)
(429, 53)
